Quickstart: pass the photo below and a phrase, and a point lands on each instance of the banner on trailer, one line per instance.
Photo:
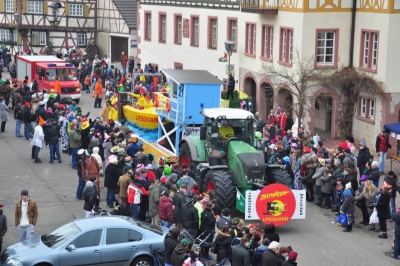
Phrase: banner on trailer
(276, 204)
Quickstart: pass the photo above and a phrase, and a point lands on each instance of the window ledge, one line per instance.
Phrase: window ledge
(366, 69)
(334, 66)
(266, 59)
(212, 48)
(288, 64)
(195, 45)
(178, 43)
(147, 39)
(365, 119)
(163, 42)
(250, 55)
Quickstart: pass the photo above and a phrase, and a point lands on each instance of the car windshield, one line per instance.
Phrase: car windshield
(60, 235)
(62, 73)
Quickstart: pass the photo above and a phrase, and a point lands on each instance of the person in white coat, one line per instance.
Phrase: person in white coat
(37, 143)
(3, 114)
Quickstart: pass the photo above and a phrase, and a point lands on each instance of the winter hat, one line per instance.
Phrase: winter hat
(348, 185)
(184, 241)
(273, 245)
(293, 255)
(343, 145)
(173, 176)
(95, 150)
(164, 179)
(113, 159)
(89, 184)
(348, 170)
(363, 143)
(363, 178)
(306, 150)
(390, 173)
(294, 145)
(386, 184)
(24, 192)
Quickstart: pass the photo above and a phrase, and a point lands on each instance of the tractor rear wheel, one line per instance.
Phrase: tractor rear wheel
(185, 157)
(221, 181)
(279, 176)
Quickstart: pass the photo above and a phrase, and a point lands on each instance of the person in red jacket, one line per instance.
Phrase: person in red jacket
(166, 210)
(124, 62)
(135, 191)
(382, 146)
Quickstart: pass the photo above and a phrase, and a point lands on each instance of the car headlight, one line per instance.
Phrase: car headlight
(13, 262)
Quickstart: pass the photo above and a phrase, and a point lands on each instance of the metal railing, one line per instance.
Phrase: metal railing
(219, 4)
(263, 6)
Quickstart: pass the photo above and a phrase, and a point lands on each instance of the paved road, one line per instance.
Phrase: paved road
(317, 239)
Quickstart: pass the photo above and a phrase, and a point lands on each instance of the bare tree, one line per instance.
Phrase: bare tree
(300, 79)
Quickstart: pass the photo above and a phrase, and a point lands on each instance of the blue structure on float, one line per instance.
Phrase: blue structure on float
(190, 92)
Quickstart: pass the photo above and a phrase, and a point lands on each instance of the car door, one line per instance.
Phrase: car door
(85, 249)
(120, 246)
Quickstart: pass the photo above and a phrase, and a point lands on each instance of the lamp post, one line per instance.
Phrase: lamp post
(229, 47)
(16, 18)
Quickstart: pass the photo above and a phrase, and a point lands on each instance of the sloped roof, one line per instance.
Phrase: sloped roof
(128, 11)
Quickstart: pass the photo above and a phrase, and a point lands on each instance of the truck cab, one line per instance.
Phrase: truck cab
(46, 73)
(45, 69)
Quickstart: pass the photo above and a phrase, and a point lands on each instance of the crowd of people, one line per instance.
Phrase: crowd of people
(165, 193)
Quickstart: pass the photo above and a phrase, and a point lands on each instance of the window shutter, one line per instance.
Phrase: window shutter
(66, 9)
(15, 5)
(3, 6)
(24, 6)
(86, 11)
(19, 38)
(45, 8)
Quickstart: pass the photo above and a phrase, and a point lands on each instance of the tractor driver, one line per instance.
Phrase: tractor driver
(226, 131)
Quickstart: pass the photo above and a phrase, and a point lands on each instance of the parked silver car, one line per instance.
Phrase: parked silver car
(101, 240)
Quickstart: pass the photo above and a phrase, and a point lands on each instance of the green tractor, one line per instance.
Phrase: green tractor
(229, 166)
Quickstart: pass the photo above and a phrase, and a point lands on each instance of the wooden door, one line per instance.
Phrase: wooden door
(118, 45)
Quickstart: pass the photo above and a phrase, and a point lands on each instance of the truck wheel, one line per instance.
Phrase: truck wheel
(185, 157)
(221, 181)
(77, 100)
(279, 176)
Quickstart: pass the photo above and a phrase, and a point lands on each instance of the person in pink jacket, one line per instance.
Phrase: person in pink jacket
(166, 210)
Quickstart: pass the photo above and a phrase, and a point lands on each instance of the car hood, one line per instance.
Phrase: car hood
(32, 245)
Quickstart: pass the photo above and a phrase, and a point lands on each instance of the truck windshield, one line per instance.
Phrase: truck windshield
(62, 73)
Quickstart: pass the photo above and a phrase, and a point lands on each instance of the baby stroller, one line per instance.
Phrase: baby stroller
(204, 240)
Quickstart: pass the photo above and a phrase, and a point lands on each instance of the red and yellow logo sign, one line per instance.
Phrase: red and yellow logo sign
(275, 204)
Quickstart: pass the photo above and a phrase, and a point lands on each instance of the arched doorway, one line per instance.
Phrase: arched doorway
(269, 98)
(285, 100)
(323, 115)
(249, 87)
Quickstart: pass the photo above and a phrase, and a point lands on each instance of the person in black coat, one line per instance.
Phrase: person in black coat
(190, 216)
(111, 176)
(392, 180)
(269, 232)
(170, 243)
(382, 207)
(240, 254)
(207, 224)
(52, 138)
(363, 156)
(91, 198)
(223, 244)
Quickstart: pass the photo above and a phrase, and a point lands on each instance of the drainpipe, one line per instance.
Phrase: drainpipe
(352, 30)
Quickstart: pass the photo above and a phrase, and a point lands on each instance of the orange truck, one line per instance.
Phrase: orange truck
(45, 69)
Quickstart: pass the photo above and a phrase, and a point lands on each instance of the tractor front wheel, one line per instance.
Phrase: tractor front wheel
(185, 157)
(221, 181)
(279, 176)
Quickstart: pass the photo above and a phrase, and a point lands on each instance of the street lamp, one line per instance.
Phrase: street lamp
(16, 18)
(229, 47)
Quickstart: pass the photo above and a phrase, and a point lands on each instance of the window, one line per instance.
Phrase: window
(286, 46)
(162, 28)
(250, 39)
(369, 50)
(76, 10)
(212, 32)
(178, 29)
(35, 7)
(5, 35)
(88, 239)
(194, 36)
(232, 30)
(10, 6)
(366, 108)
(39, 38)
(147, 26)
(326, 48)
(267, 42)
(81, 39)
(122, 235)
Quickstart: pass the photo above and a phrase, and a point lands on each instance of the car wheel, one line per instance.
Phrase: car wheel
(43, 264)
(77, 100)
(142, 261)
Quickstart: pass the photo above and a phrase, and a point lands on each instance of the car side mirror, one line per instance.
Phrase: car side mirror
(70, 247)
(203, 133)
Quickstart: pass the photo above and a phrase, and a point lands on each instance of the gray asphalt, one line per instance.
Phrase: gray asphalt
(317, 239)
